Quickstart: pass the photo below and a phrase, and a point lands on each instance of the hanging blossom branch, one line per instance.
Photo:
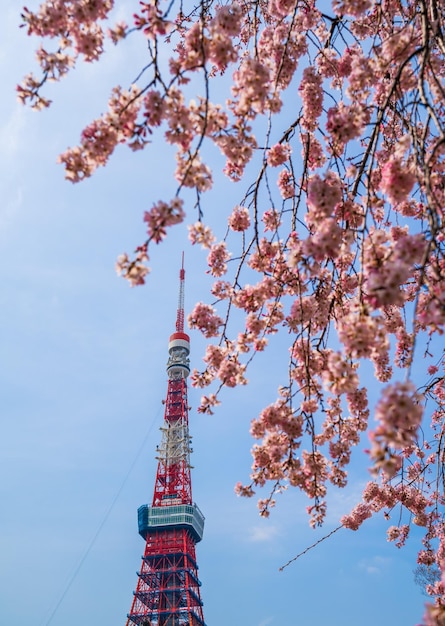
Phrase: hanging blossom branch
(338, 241)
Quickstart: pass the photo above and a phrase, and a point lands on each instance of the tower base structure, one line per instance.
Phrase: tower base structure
(167, 592)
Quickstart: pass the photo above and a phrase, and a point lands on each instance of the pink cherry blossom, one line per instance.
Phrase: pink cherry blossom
(397, 180)
(398, 413)
(199, 233)
(312, 97)
(205, 319)
(161, 216)
(217, 259)
(278, 154)
(239, 220)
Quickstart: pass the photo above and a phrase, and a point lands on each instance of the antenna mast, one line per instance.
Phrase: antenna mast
(180, 313)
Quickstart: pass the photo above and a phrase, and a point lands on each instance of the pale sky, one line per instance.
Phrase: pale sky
(82, 383)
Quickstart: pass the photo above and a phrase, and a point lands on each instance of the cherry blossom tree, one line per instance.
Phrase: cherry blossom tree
(330, 114)
(425, 576)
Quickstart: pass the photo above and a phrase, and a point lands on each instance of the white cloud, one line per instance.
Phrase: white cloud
(263, 533)
(266, 622)
(374, 565)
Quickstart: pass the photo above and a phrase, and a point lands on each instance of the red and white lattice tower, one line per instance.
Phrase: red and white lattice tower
(168, 589)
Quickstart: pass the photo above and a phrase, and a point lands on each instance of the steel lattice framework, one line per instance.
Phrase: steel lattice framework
(168, 588)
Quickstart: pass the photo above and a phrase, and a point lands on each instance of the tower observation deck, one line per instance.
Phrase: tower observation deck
(168, 588)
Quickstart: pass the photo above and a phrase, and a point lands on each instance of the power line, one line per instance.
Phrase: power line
(73, 576)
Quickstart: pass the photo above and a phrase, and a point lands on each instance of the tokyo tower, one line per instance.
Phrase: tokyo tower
(168, 588)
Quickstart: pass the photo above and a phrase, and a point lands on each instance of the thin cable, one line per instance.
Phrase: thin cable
(101, 525)
(314, 545)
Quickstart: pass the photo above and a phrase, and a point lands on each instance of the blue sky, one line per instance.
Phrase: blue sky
(81, 383)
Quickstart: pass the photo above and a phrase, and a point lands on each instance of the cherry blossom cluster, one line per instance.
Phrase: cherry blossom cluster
(397, 180)
(205, 319)
(134, 270)
(101, 137)
(222, 363)
(390, 260)
(161, 216)
(76, 27)
(399, 413)
(151, 20)
(278, 154)
(312, 97)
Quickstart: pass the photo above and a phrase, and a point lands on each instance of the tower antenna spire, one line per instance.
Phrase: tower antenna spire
(180, 312)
